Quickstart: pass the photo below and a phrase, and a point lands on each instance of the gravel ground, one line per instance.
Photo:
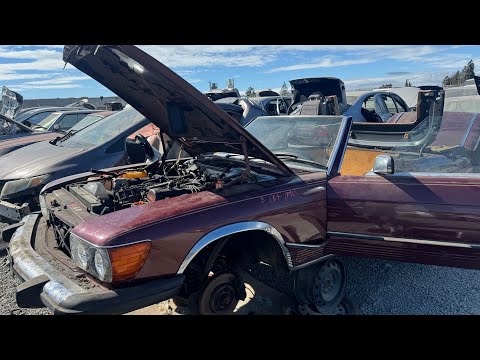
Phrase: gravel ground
(8, 305)
(393, 288)
(376, 287)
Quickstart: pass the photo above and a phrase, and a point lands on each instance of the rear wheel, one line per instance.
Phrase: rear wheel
(345, 307)
(322, 285)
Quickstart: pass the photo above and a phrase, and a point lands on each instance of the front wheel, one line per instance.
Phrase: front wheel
(221, 295)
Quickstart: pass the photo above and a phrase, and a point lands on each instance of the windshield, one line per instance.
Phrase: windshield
(104, 130)
(298, 139)
(46, 123)
(441, 144)
(86, 121)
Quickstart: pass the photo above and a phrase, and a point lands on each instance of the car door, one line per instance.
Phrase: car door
(427, 210)
(406, 217)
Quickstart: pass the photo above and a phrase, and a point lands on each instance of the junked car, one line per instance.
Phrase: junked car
(117, 239)
(32, 116)
(18, 139)
(58, 120)
(226, 186)
(240, 109)
(376, 107)
(309, 90)
(104, 143)
(273, 104)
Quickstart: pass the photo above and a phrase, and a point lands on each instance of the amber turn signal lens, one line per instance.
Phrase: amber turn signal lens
(128, 260)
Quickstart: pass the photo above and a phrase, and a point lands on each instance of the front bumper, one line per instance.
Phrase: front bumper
(13, 212)
(43, 284)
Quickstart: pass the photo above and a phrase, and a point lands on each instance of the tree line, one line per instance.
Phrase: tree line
(460, 77)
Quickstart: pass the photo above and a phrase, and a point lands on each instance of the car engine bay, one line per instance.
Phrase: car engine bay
(107, 192)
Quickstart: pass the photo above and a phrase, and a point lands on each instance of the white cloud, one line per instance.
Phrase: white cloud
(194, 55)
(321, 63)
(257, 55)
(21, 87)
(58, 80)
(7, 53)
(424, 78)
(15, 76)
(41, 66)
(37, 65)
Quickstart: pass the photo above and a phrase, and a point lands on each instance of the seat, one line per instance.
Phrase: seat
(313, 106)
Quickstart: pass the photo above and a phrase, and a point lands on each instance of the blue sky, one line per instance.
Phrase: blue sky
(37, 71)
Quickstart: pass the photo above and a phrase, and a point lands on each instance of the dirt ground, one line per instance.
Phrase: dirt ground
(261, 300)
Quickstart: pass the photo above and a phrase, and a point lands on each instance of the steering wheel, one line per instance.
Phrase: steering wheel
(281, 109)
(140, 139)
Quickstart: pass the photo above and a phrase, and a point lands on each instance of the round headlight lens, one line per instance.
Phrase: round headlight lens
(100, 266)
(82, 256)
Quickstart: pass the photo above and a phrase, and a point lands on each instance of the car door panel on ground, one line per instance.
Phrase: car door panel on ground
(422, 211)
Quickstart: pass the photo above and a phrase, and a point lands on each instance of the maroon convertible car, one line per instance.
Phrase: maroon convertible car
(123, 238)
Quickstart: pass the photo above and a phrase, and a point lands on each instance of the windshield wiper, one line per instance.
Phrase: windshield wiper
(287, 155)
(295, 158)
(65, 137)
(39, 126)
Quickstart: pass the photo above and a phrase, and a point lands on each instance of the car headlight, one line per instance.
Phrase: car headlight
(16, 186)
(102, 264)
(109, 264)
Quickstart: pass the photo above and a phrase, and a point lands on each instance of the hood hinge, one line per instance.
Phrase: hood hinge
(245, 155)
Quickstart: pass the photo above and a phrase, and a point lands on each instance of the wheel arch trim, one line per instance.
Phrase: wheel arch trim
(232, 229)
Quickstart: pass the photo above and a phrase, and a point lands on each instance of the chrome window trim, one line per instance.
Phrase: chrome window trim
(424, 174)
(231, 229)
(403, 240)
(305, 246)
(336, 146)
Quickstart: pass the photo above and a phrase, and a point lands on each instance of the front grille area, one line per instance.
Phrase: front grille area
(302, 255)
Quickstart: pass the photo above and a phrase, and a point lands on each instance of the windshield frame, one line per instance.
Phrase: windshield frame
(302, 164)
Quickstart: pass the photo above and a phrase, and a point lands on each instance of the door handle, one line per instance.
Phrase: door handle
(314, 191)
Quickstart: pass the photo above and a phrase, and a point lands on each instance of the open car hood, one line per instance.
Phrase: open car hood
(167, 100)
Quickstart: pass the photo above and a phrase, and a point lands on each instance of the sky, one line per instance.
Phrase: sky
(38, 71)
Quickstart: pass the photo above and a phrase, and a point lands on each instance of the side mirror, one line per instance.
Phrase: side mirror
(384, 165)
(56, 127)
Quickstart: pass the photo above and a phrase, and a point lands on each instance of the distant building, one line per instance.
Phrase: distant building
(98, 102)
